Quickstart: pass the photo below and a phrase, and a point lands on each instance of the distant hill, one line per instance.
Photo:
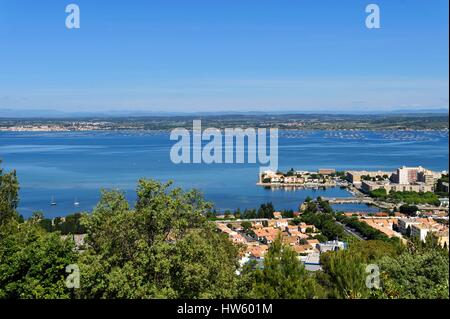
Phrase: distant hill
(417, 111)
(55, 114)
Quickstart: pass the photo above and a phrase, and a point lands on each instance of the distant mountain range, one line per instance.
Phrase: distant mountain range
(48, 113)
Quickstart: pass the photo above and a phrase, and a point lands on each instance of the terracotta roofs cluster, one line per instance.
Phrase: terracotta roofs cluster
(264, 232)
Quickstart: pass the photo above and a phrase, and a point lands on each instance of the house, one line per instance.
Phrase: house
(327, 171)
(313, 242)
(303, 227)
(257, 251)
(419, 231)
(443, 238)
(237, 238)
(311, 261)
(291, 228)
(405, 223)
(303, 249)
(290, 240)
(277, 215)
(332, 246)
(281, 223)
(266, 235)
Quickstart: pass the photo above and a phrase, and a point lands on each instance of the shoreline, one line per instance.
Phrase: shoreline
(38, 130)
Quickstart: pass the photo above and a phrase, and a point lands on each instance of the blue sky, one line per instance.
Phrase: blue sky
(223, 55)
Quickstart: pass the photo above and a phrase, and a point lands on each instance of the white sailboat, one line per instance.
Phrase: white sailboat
(53, 202)
(76, 203)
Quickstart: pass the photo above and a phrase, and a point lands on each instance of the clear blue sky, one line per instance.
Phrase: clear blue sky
(223, 55)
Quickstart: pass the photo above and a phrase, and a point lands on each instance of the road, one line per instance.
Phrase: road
(351, 232)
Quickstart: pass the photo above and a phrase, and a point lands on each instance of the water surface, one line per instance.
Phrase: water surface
(76, 165)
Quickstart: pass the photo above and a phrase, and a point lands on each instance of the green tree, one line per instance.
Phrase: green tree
(344, 274)
(266, 211)
(283, 276)
(408, 210)
(423, 274)
(32, 262)
(246, 225)
(9, 196)
(164, 248)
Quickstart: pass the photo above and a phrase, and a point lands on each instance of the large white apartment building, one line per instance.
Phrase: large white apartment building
(410, 175)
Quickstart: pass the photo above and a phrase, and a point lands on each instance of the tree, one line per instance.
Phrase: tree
(408, 231)
(409, 210)
(344, 274)
(164, 248)
(321, 238)
(423, 273)
(9, 196)
(303, 241)
(373, 250)
(378, 193)
(266, 211)
(291, 172)
(70, 225)
(283, 276)
(32, 262)
(246, 225)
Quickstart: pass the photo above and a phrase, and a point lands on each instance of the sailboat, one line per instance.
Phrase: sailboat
(53, 203)
(76, 203)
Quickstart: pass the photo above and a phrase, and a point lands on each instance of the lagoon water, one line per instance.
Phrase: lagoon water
(76, 165)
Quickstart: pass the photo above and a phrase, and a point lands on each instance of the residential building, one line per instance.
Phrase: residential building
(355, 176)
(368, 186)
(420, 231)
(326, 171)
(277, 215)
(411, 175)
(405, 223)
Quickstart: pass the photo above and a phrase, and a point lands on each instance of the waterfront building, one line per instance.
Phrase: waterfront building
(355, 177)
(406, 175)
(410, 175)
(369, 186)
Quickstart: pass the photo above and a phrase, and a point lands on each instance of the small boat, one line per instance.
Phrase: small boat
(53, 203)
(76, 203)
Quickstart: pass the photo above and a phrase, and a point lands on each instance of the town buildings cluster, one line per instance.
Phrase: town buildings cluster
(417, 227)
(404, 179)
(412, 179)
(322, 177)
(257, 238)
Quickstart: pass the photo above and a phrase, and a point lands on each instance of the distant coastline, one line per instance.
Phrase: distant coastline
(288, 122)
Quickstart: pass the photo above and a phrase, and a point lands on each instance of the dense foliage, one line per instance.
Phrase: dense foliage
(164, 248)
(406, 197)
(9, 195)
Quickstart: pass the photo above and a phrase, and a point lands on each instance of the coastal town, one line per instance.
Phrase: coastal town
(369, 187)
(402, 222)
(256, 235)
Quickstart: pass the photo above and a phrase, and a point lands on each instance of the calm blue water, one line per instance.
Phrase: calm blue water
(78, 164)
